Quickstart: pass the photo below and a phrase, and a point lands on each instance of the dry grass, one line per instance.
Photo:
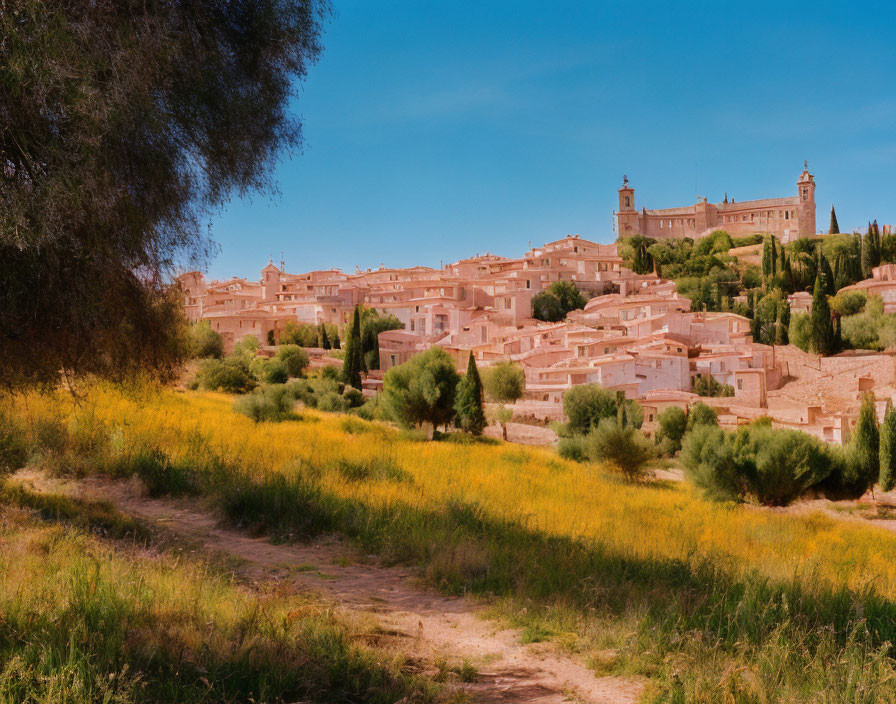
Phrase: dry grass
(716, 603)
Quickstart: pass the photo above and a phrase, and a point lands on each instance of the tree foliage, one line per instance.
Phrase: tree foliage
(468, 401)
(125, 124)
(701, 414)
(354, 356)
(887, 476)
(673, 423)
(865, 443)
(556, 301)
(204, 342)
(504, 382)
(769, 466)
(422, 390)
(294, 358)
(586, 405)
(823, 341)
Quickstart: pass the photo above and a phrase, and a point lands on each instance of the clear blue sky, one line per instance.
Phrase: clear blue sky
(437, 130)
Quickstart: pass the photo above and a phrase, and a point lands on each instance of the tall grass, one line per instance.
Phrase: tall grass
(713, 602)
(84, 621)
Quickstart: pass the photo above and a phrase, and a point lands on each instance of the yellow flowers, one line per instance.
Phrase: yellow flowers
(531, 486)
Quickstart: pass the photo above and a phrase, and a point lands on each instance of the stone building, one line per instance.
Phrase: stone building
(787, 218)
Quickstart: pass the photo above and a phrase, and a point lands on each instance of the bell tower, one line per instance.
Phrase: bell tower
(626, 197)
(806, 202)
(626, 217)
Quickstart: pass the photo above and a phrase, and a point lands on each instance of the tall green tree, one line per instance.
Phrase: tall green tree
(865, 443)
(125, 126)
(824, 269)
(822, 327)
(324, 339)
(353, 359)
(856, 258)
(470, 414)
(887, 477)
(834, 229)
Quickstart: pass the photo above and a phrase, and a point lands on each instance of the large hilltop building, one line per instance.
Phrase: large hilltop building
(787, 218)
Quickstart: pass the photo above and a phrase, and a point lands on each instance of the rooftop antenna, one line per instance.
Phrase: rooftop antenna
(282, 262)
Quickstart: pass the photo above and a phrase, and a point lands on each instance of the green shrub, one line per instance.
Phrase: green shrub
(371, 409)
(230, 375)
(332, 402)
(272, 403)
(758, 463)
(849, 302)
(13, 445)
(372, 469)
(708, 385)
(587, 404)
(353, 397)
(673, 423)
(203, 342)
(295, 359)
(800, 331)
(572, 448)
(163, 477)
(331, 372)
(701, 414)
(623, 446)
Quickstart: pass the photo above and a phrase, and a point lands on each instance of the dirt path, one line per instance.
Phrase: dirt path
(422, 623)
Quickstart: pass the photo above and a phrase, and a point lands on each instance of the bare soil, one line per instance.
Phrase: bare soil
(408, 618)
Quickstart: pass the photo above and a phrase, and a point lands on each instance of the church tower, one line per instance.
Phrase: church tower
(806, 198)
(626, 197)
(626, 216)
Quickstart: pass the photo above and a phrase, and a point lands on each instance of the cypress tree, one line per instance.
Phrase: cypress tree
(824, 267)
(755, 328)
(766, 258)
(322, 334)
(351, 370)
(876, 251)
(773, 259)
(887, 478)
(867, 255)
(468, 402)
(856, 258)
(866, 444)
(822, 328)
(834, 229)
(787, 272)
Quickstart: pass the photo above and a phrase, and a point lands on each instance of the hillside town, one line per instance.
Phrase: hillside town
(636, 333)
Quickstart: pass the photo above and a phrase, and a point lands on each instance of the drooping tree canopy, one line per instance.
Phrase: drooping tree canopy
(125, 123)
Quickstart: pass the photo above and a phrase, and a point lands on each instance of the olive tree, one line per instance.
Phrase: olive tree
(126, 124)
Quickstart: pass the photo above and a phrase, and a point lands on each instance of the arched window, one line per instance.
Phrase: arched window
(628, 202)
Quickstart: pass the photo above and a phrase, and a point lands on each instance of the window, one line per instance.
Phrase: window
(740, 384)
(628, 201)
(787, 215)
(528, 283)
(805, 194)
